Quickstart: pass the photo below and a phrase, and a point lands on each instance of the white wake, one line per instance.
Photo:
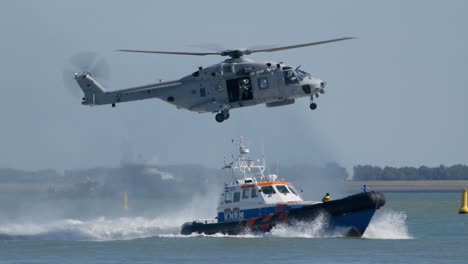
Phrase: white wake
(100, 229)
(314, 229)
(388, 224)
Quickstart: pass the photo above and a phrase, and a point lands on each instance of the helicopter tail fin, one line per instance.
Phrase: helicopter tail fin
(93, 91)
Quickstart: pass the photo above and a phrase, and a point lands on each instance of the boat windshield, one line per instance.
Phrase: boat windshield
(292, 190)
(268, 190)
(282, 189)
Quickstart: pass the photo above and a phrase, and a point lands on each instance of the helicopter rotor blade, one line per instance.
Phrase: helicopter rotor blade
(299, 45)
(172, 52)
(237, 53)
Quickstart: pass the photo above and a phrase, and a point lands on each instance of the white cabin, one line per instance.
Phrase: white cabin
(252, 195)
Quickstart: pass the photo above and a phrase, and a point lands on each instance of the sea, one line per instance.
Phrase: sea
(412, 228)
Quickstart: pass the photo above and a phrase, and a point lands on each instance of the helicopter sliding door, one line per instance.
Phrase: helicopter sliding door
(239, 89)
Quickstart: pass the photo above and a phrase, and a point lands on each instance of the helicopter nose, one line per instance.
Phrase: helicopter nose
(322, 87)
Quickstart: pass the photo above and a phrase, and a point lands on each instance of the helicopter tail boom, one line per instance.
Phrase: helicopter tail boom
(96, 94)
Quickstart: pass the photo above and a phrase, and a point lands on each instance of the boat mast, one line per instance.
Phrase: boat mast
(246, 165)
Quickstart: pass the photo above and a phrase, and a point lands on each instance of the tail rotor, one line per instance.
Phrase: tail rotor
(84, 63)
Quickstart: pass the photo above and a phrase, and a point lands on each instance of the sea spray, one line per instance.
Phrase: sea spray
(388, 224)
(105, 228)
(317, 228)
(311, 229)
(96, 229)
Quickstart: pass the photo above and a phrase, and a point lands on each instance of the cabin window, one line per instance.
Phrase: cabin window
(227, 68)
(263, 83)
(268, 190)
(245, 193)
(227, 197)
(282, 189)
(236, 197)
(292, 190)
(254, 193)
(202, 92)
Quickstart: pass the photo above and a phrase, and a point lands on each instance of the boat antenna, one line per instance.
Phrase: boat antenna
(263, 152)
(277, 168)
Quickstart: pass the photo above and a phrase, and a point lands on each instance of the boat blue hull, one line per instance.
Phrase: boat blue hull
(356, 222)
(352, 213)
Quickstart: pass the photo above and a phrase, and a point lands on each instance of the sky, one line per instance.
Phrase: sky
(396, 95)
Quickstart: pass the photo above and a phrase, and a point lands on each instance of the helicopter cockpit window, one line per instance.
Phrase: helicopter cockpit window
(290, 77)
(302, 74)
(263, 83)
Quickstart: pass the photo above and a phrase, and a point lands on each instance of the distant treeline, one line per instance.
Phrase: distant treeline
(21, 176)
(375, 173)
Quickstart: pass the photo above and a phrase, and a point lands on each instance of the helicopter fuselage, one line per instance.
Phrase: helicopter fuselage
(233, 83)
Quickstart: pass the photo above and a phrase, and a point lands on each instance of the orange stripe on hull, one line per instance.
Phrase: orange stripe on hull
(267, 218)
(250, 222)
(284, 214)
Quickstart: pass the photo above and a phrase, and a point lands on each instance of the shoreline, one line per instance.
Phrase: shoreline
(352, 186)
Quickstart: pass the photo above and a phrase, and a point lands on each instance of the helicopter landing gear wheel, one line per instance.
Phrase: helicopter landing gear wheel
(312, 105)
(226, 116)
(219, 117)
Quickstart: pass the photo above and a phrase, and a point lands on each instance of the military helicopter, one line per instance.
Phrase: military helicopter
(235, 82)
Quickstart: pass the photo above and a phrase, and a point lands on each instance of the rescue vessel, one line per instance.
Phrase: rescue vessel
(255, 202)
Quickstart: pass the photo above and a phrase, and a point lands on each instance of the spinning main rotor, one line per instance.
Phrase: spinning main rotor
(237, 53)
